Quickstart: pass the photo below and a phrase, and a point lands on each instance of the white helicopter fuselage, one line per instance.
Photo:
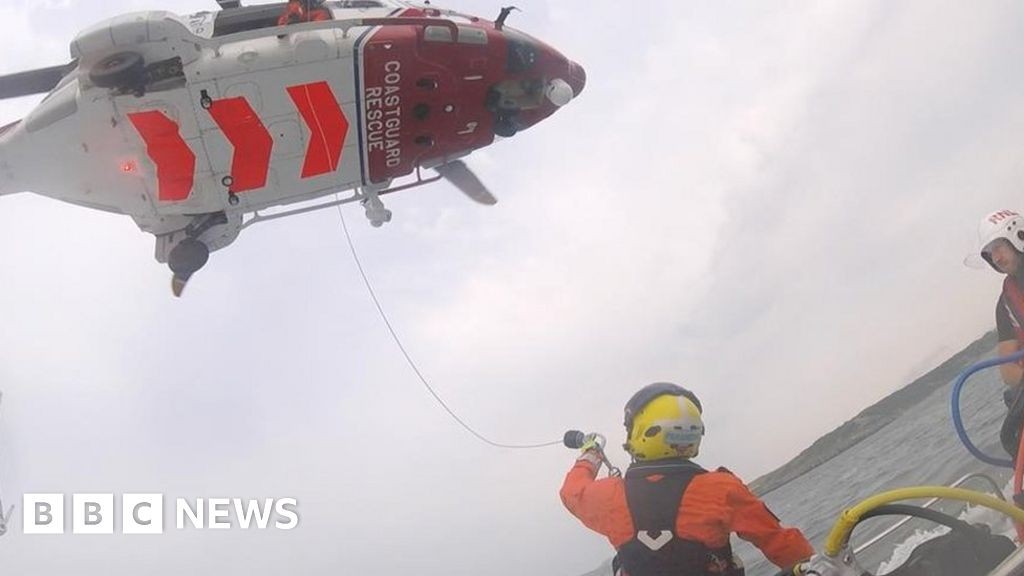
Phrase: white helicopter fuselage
(234, 113)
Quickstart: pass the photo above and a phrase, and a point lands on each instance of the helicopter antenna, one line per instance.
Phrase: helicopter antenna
(500, 22)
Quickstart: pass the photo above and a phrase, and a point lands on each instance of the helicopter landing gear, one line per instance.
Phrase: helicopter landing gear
(124, 70)
(376, 213)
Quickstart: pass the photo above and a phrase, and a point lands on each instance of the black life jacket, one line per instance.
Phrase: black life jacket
(656, 549)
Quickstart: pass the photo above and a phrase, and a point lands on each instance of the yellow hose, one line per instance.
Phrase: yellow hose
(841, 530)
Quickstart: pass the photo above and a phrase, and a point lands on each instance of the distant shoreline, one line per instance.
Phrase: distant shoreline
(873, 418)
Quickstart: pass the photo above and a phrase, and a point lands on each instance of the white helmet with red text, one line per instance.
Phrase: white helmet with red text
(999, 225)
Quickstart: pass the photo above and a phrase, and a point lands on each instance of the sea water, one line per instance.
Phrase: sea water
(920, 447)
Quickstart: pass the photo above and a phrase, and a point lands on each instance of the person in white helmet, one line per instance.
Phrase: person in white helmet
(1001, 241)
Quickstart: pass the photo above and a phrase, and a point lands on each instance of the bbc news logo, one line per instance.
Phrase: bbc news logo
(144, 514)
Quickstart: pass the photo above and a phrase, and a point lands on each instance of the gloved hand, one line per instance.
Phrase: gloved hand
(590, 450)
(592, 441)
(821, 565)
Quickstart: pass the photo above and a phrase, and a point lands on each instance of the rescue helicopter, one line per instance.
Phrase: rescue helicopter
(201, 125)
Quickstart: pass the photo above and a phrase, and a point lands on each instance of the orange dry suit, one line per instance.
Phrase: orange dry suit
(672, 517)
(299, 11)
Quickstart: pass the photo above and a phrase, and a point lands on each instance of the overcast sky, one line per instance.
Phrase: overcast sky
(766, 202)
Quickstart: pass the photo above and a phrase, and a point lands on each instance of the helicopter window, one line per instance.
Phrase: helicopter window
(522, 53)
(468, 35)
(521, 56)
(233, 20)
(245, 18)
(437, 34)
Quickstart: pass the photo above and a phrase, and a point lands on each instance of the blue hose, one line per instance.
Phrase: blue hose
(958, 422)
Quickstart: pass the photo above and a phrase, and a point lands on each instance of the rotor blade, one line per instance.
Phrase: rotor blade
(463, 178)
(39, 81)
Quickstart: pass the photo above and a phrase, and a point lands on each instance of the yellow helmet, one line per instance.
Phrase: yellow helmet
(663, 421)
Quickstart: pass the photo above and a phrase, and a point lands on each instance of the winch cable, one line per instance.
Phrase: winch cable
(412, 364)
(958, 423)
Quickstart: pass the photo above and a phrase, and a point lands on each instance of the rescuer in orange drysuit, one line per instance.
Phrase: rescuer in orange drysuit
(303, 11)
(667, 515)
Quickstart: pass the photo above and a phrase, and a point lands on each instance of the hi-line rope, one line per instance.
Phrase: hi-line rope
(412, 364)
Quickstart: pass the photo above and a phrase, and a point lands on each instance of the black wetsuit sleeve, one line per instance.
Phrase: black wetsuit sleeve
(1003, 323)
